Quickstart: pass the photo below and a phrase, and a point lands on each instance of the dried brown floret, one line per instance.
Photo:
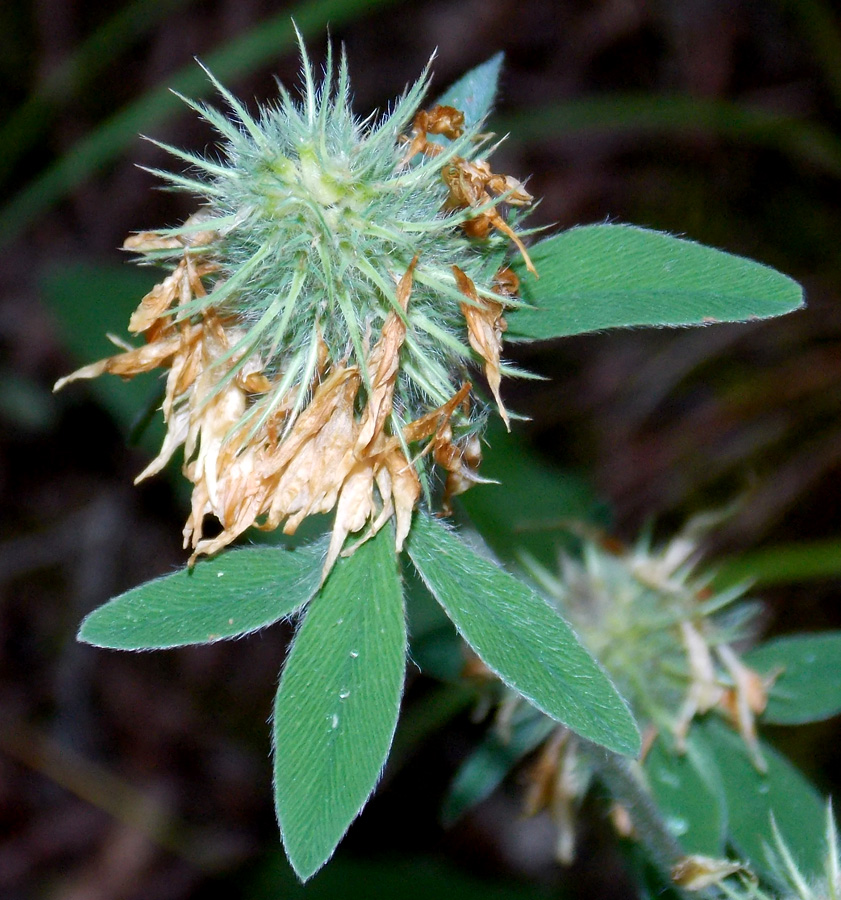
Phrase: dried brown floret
(443, 120)
(485, 327)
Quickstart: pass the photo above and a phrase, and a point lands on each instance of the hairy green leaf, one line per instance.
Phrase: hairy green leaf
(808, 687)
(753, 797)
(521, 638)
(474, 93)
(688, 792)
(613, 276)
(227, 596)
(337, 704)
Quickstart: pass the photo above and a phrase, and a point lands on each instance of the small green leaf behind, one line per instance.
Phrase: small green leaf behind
(337, 704)
(434, 645)
(407, 877)
(688, 793)
(521, 638)
(613, 276)
(224, 597)
(485, 769)
(808, 688)
(753, 797)
(90, 301)
(474, 93)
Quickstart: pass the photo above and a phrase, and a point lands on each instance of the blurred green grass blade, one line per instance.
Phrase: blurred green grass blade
(752, 797)
(783, 564)
(239, 56)
(520, 637)
(809, 686)
(819, 23)
(233, 594)
(428, 715)
(25, 404)
(802, 141)
(383, 877)
(614, 276)
(338, 700)
(77, 73)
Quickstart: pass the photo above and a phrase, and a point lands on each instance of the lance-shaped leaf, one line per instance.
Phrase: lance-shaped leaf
(753, 797)
(474, 93)
(337, 704)
(687, 789)
(521, 638)
(613, 276)
(808, 683)
(231, 595)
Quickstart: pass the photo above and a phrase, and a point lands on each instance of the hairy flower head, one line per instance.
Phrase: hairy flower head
(322, 310)
(666, 637)
(663, 633)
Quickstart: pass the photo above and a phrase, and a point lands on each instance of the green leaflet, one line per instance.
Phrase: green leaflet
(337, 704)
(474, 93)
(613, 276)
(521, 638)
(486, 768)
(74, 294)
(752, 798)
(230, 595)
(687, 790)
(808, 688)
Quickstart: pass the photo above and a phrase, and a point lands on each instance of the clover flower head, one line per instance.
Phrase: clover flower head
(663, 633)
(665, 637)
(323, 308)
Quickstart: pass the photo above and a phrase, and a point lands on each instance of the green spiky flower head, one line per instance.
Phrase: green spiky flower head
(323, 307)
(662, 631)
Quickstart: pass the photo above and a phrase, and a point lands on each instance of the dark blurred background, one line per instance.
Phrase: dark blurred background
(148, 775)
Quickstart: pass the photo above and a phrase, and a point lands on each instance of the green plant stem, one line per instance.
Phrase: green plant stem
(618, 776)
(234, 59)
